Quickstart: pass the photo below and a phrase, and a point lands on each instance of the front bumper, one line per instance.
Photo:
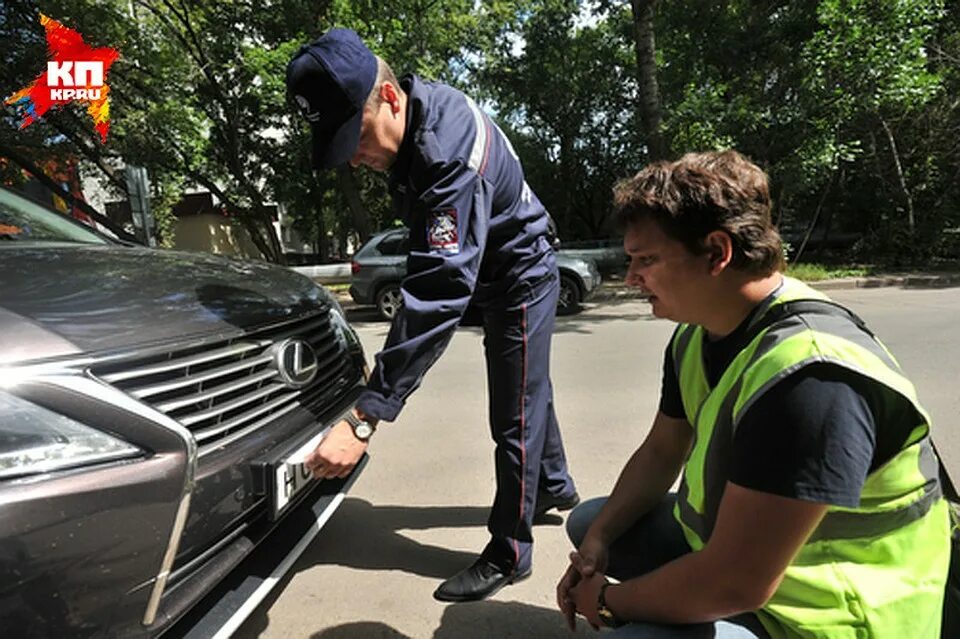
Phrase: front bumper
(362, 293)
(355, 295)
(128, 548)
(254, 532)
(79, 551)
(248, 583)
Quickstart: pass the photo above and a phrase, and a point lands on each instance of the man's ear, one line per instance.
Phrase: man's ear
(388, 93)
(719, 249)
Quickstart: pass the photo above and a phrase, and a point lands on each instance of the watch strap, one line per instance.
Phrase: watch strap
(603, 611)
(357, 423)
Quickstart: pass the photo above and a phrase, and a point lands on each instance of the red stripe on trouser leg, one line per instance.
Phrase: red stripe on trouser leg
(523, 432)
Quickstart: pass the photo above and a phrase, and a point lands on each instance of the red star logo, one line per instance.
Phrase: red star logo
(75, 72)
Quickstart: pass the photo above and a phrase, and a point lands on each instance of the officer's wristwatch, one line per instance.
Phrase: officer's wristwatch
(362, 429)
(606, 615)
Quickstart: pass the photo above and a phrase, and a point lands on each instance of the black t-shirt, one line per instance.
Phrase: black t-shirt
(814, 435)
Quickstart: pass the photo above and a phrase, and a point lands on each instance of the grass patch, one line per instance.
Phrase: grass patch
(818, 272)
(338, 288)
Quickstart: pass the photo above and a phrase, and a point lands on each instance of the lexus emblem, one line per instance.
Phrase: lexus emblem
(296, 361)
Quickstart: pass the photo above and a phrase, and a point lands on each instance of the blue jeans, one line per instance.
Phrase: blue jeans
(654, 540)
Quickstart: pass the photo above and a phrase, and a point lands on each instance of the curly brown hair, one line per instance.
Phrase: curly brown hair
(705, 192)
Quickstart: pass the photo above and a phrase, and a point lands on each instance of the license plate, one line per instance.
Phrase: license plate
(291, 476)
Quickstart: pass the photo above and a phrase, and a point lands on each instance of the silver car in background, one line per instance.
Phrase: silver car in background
(381, 263)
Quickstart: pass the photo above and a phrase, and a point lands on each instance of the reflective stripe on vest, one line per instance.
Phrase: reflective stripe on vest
(707, 469)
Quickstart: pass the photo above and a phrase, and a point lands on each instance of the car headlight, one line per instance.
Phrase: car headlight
(347, 337)
(338, 318)
(36, 440)
(345, 334)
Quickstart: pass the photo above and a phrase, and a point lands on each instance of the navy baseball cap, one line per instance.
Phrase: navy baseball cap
(330, 80)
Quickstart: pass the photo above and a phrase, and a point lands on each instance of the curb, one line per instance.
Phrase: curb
(617, 290)
(902, 281)
(345, 300)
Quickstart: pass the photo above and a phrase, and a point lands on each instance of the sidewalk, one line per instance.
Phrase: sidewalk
(613, 288)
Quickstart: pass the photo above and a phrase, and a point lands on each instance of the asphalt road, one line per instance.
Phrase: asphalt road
(418, 513)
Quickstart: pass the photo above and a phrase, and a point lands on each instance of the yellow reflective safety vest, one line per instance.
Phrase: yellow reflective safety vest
(875, 571)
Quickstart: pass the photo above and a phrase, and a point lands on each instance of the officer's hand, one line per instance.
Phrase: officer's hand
(592, 556)
(337, 454)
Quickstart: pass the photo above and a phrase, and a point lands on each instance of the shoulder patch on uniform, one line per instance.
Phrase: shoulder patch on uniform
(442, 232)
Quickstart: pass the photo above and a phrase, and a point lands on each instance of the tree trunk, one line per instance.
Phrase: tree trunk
(256, 236)
(816, 217)
(270, 232)
(342, 242)
(567, 159)
(776, 196)
(320, 246)
(911, 220)
(828, 221)
(358, 212)
(272, 236)
(262, 234)
(322, 253)
(648, 105)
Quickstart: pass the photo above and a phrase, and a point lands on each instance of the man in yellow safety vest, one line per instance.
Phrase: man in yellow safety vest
(809, 504)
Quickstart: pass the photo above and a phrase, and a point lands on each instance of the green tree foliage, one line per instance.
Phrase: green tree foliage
(851, 105)
(825, 95)
(197, 96)
(869, 75)
(564, 92)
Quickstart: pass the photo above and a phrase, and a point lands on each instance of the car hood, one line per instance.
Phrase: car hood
(73, 299)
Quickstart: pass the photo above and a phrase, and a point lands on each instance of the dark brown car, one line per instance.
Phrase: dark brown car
(149, 403)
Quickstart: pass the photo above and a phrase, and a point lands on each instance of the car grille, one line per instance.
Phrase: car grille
(224, 390)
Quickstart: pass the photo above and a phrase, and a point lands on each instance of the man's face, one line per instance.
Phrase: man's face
(663, 268)
(379, 138)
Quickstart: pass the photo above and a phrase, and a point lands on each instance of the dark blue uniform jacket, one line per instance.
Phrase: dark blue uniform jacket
(477, 234)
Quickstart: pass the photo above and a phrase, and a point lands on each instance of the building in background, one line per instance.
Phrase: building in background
(201, 225)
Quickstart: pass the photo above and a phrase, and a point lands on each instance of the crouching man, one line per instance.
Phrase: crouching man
(809, 504)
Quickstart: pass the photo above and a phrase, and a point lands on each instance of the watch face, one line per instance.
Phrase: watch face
(363, 430)
(608, 619)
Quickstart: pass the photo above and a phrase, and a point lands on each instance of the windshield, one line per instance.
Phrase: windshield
(23, 221)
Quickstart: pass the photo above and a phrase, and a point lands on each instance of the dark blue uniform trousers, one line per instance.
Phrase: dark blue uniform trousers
(529, 451)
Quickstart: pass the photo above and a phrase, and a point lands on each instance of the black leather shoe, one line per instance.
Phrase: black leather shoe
(546, 501)
(477, 582)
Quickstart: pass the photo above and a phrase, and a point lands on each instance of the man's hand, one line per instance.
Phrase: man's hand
(593, 555)
(337, 454)
(586, 566)
(564, 597)
(580, 593)
(589, 560)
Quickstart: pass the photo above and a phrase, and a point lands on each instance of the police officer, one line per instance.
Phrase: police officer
(478, 240)
(809, 504)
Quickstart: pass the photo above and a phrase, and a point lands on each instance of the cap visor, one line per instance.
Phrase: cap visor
(329, 152)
